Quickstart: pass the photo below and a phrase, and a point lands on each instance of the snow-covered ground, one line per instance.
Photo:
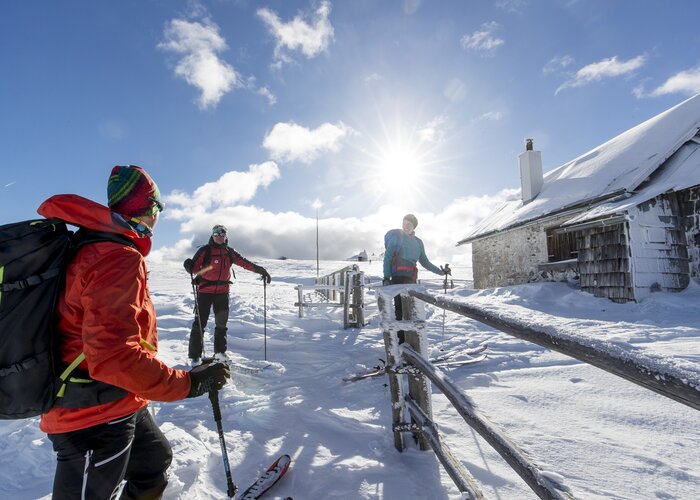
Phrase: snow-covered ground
(606, 437)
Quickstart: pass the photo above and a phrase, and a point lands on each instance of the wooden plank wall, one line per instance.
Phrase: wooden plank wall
(690, 208)
(604, 262)
(658, 246)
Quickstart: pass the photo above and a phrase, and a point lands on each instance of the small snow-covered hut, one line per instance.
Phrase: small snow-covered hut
(623, 219)
(360, 257)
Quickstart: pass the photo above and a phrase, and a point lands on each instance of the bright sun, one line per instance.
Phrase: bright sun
(399, 168)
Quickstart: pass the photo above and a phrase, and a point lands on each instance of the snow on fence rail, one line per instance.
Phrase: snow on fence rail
(412, 409)
(647, 372)
(412, 412)
(342, 288)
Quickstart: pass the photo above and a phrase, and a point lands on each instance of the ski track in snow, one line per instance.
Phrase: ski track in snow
(602, 436)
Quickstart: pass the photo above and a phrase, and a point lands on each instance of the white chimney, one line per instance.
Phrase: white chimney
(530, 172)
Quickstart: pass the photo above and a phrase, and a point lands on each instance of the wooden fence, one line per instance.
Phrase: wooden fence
(344, 289)
(410, 400)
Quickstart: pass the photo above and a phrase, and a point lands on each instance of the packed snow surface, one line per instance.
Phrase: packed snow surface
(602, 436)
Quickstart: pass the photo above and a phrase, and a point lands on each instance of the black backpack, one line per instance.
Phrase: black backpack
(33, 259)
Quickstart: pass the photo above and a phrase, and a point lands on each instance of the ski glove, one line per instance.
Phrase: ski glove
(188, 265)
(265, 275)
(208, 377)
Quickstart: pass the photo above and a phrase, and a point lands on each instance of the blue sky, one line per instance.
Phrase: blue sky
(255, 114)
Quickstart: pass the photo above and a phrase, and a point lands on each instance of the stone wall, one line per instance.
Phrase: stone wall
(510, 257)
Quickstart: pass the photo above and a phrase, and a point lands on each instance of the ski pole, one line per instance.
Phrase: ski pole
(265, 313)
(446, 269)
(196, 312)
(214, 398)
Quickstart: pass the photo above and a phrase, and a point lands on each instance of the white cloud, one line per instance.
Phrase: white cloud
(373, 77)
(455, 90)
(607, 68)
(259, 233)
(251, 85)
(433, 132)
(512, 6)
(230, 189)
(198, 44)
(557, 64)
(411, 6)
(685, 82)
(289, 142)
(483, 41)
(491, 116)
(310, 38)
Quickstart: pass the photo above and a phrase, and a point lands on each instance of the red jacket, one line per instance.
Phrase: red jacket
(105, 311)
(217, 259)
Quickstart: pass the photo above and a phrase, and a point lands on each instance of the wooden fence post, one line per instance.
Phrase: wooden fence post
(419, 388)
(391, 343)
(358, 299)
(301, 301)
(346, 305)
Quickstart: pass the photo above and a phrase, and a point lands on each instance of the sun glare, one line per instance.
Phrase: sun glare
(399, 168)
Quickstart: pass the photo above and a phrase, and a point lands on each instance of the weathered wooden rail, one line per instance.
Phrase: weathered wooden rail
(608, 357)
(343, 288)
(411, 411)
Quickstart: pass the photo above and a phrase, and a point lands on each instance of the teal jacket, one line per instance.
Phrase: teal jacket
(401, 253)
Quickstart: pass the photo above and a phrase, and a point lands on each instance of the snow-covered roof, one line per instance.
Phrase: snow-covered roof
(680, 171)
(617, 166)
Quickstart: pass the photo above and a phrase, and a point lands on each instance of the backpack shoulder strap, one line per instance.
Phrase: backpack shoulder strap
(207, 254)
(393, 235)
(85, 237)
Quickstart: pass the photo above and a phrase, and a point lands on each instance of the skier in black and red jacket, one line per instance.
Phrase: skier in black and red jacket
(211, 266)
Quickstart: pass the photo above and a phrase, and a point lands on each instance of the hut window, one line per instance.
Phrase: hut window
(561, 246)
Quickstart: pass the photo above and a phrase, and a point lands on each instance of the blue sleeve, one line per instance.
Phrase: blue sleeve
(423, 259)
(389, 250)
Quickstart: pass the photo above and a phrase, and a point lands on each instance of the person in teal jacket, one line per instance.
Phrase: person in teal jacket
(403, 249)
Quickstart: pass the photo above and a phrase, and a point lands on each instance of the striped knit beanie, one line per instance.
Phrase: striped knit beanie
(131, 192)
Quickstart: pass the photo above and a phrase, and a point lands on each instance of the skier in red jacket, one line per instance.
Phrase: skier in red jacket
(211, 266)
(105, 312)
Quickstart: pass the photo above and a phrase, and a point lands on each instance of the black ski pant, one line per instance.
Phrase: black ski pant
(93, 462)
(205, 301)
(398, 310)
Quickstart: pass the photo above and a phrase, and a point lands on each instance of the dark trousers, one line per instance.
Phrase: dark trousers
(93, 462)
(205, 301)
(398, 310)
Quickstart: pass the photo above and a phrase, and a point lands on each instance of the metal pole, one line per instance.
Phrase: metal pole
(196, 312)
(214, 398)
(317, 273)
(444, 310)
(265, 313)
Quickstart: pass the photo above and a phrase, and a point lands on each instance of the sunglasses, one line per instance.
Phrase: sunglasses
(157, 205)
(219, 233)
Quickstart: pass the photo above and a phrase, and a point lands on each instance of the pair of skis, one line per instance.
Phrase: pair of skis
(265, 481)
(442, 361)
